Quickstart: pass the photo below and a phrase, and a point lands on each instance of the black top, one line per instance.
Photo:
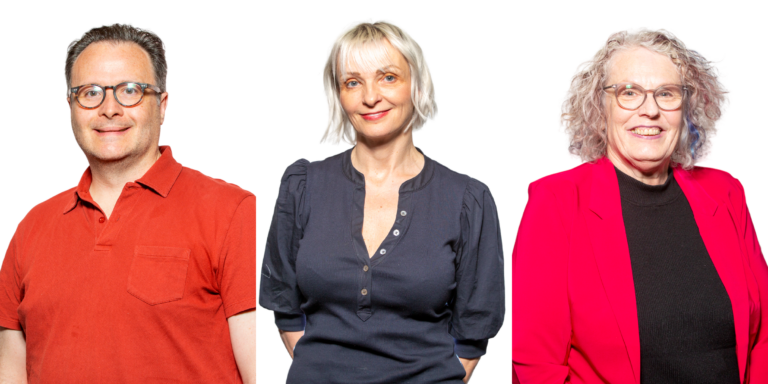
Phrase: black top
(391, 318)
(687, 333)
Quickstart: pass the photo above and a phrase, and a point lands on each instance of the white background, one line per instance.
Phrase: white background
(247, 99)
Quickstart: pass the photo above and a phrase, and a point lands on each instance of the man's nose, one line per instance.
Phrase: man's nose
(110, 107)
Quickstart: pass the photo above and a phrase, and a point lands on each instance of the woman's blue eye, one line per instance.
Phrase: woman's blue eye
(352, 83)
(389, 78)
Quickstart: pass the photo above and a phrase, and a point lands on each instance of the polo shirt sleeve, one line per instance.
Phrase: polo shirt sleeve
(279, 288)
(10, 288)
(478, 306)
(237, 280)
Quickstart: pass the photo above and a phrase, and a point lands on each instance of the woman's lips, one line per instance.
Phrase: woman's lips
(374, 116)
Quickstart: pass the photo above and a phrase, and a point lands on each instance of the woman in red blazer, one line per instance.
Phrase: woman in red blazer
(637, 266)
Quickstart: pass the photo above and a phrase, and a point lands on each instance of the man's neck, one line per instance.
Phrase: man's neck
(109, 177)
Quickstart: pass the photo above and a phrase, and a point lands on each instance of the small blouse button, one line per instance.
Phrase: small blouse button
(383, 251)
(101, 220)
(364, 292)
(396, 232)
(403, 213)
(365, 268)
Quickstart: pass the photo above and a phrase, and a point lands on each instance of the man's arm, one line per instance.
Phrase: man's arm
(13, 357)
(469, 366)
(242, 331)
(290, 339)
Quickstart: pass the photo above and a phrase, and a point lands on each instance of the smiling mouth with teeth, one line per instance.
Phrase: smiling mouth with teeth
(645, 131)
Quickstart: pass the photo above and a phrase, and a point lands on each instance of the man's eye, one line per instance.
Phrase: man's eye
(92, 94)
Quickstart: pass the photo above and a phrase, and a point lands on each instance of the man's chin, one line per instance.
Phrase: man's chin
(107, 156)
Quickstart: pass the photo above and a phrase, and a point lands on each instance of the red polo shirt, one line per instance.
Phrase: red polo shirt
(141, 297)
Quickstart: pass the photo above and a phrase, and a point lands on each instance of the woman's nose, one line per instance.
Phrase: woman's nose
(372, 96)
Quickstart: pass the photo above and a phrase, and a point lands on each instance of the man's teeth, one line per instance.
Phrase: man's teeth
(646, 131)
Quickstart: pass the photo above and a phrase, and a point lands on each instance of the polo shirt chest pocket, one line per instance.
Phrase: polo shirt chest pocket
(158, 274)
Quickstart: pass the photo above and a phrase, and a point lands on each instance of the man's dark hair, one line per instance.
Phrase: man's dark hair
(119, 33)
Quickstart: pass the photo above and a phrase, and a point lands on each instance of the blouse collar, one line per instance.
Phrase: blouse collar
(414, 184)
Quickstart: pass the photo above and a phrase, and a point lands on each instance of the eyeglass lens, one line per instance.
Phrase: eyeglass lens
(127, 94)
(632, 96)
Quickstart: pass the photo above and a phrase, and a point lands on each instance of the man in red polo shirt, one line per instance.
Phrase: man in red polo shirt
(146, 271)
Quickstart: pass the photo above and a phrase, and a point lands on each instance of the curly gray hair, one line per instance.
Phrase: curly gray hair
(584, 114)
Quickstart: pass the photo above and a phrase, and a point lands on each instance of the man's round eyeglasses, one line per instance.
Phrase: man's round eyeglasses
(631, 96)
(127, 94)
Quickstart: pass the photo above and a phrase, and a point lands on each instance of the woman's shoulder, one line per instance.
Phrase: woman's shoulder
(719, 184)
(300, 168)
(461, 181)
(566, 181)
(712, 177)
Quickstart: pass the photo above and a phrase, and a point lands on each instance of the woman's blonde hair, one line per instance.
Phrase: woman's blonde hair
(584, 110)
(363, 46)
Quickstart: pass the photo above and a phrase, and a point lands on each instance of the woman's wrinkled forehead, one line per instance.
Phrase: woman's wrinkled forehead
(365, 56)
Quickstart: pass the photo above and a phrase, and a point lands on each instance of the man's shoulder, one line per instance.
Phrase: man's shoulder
(48, 209)
(55, 205)
(208, 187)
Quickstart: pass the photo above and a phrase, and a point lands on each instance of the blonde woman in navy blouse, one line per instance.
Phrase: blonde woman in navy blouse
(382, 266)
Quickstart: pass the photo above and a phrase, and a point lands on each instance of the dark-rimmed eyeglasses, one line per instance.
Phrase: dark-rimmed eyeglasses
(127, 94)
(631, 96)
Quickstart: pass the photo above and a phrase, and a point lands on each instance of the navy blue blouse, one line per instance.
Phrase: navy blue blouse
(433, 290)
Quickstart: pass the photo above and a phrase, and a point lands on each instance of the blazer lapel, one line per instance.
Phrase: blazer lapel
(605, 224)
(721, 240)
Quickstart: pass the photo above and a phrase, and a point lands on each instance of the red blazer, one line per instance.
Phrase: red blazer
(574, 313)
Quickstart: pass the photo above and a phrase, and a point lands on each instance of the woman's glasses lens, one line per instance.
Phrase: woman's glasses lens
(632, 96)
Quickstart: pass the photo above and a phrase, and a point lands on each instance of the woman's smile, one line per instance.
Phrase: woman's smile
(374, 115)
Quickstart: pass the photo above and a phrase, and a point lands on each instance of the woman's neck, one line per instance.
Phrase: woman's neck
(392, 159)
(651, 173)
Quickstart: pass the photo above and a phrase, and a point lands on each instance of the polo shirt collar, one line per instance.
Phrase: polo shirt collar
(414, 184)
(160, 178)
(163, 174)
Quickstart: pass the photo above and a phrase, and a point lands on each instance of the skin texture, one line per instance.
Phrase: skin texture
(384, 154)
(646, 159)
(120, 143)
(13, 357)
(242, 332)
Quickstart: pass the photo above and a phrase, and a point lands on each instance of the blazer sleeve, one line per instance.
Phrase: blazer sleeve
(478, 306)
(541, 331)
(757, 371)
(279, 289)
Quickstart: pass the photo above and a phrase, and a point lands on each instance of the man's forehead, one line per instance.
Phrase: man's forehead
(113, 59)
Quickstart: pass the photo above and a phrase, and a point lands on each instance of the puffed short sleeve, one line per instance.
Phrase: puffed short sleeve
(279, 290)
(478, 307)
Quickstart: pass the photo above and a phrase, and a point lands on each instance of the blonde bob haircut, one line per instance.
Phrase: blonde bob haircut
(584, 114)
(363, 47)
